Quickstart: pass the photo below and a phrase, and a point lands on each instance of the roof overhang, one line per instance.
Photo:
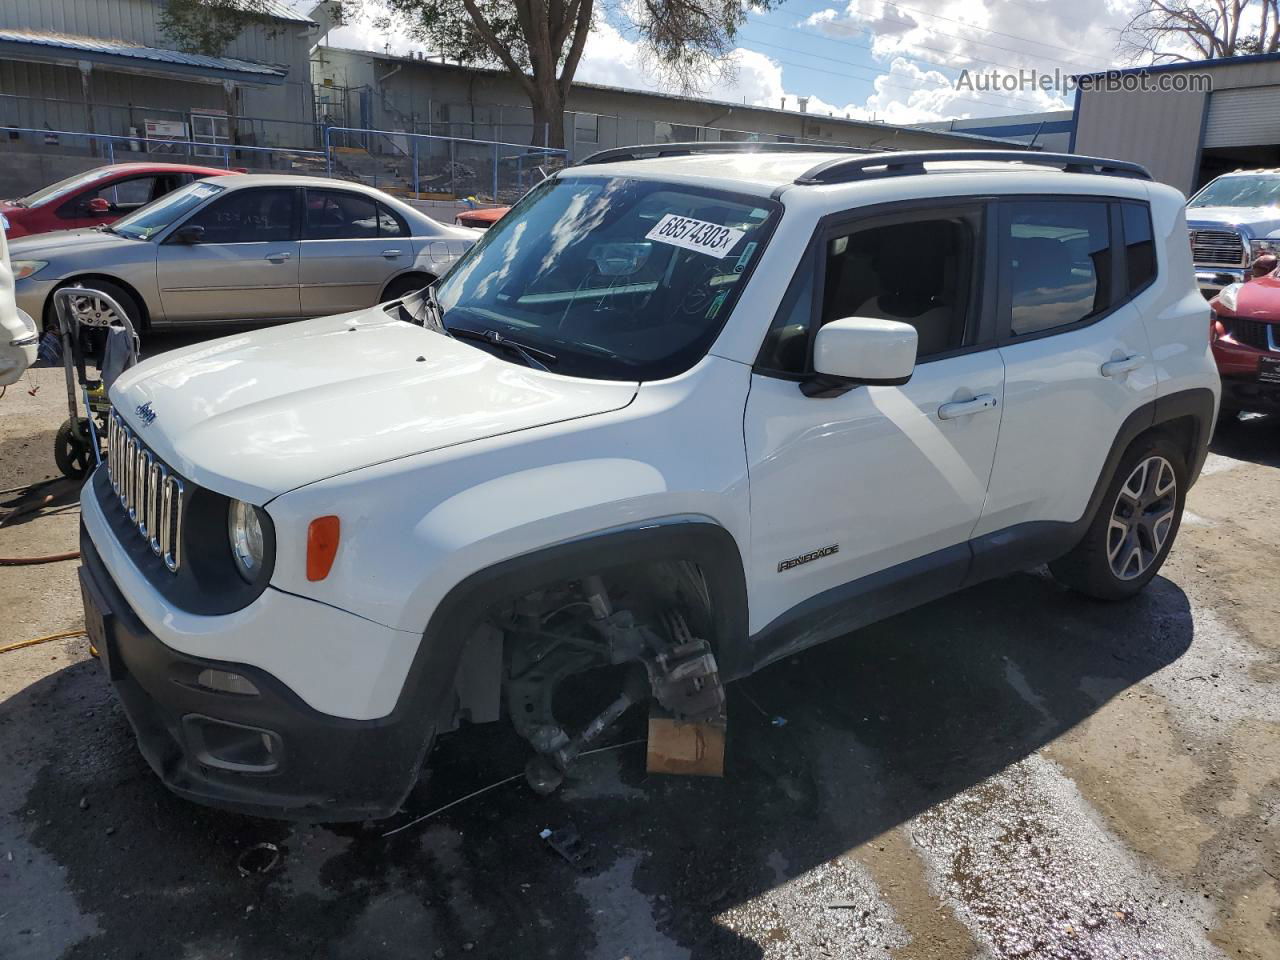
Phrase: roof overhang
(40, 46)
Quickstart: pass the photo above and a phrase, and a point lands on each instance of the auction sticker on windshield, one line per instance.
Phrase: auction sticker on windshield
(700, 235)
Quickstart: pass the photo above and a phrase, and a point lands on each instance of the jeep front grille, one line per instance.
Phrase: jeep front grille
(150, 494)
(1225, 247)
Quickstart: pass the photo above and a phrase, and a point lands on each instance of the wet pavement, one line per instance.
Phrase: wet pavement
(1011, 772)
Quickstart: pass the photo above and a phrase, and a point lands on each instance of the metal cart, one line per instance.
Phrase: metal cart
(78, 445)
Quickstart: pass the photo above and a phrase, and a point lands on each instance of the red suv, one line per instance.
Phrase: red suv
(97, 196)
(1244, 329)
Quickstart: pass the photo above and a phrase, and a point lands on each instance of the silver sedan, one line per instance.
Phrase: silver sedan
(252, 248)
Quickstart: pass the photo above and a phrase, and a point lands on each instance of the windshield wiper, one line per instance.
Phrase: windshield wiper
(530, 355)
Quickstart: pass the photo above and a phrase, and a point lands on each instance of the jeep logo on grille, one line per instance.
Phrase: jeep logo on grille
(145, 413)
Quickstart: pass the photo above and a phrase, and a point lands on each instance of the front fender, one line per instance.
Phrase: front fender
(414, 528)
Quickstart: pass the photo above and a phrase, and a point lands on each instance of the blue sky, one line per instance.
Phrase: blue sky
(872, 59)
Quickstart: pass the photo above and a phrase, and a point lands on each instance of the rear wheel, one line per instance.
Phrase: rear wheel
(1135, 526)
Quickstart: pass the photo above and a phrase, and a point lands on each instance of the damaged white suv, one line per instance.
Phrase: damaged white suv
(686, 408)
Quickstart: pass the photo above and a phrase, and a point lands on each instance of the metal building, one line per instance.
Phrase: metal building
(1226, 116)
(106, 67)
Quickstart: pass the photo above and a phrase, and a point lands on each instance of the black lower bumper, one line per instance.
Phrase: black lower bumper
(1250, 394)
(301, 764)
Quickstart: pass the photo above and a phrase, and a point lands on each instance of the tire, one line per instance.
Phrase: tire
(128, 302)
(1117, 556)
(74, 459)
(403, 286)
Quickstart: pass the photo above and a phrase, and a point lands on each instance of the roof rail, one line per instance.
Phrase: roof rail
(646, 151)
(847, 169)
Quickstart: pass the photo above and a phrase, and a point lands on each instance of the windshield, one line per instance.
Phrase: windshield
(1239, 192)
(617, 279)
(154, 217)
(62, 187)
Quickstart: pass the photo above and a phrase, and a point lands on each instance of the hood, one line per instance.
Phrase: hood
(254, 415)
(44, 246)
(1256, 300)
(1254, 221)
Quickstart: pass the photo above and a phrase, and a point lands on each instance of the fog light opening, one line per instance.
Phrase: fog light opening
(224, 681)
(231, 746)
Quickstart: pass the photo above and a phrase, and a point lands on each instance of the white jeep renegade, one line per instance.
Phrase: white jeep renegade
(685, 410)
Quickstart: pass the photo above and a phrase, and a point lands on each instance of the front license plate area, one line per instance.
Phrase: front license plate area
(97, 625)
(1269, 370)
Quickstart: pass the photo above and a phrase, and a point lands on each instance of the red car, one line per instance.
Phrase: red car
(1244, 329)
(484, 218)
(96, 196)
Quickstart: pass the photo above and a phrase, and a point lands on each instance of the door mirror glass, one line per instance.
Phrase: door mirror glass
(865, 350)
(97, 206)
(189, 234)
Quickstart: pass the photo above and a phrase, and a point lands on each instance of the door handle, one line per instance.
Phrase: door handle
(967, 408)
(278, 257)
(393, 252)
(1116, 368)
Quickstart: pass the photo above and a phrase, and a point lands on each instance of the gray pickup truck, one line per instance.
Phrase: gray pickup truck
(1233, 220)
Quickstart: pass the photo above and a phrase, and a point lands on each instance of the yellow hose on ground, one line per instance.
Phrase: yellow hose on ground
(53, 636)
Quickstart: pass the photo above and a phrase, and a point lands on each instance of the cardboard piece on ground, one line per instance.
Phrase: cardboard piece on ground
(681, 747)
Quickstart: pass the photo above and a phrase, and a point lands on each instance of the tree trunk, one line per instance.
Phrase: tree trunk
(548, 116)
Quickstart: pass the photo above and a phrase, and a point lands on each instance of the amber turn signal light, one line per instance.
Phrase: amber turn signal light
(322, 546)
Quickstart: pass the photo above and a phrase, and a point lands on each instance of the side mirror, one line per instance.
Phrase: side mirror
(859, 350)
(192, 234)
(97, 206)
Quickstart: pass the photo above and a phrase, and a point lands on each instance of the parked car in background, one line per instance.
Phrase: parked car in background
(246, 248)
(481, 219)
(1244, 329)
(18, 335)
(1233, 220)
(97, 196)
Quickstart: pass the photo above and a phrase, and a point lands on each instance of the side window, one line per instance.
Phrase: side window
(1058, 254)
(1139, 245)
(390, 224)
(124, 196)
(917, 271)
(248, 216)
(334, 215)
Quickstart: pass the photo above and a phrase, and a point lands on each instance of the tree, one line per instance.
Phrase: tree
(1165, 31)
(209, 26)
(541, 42)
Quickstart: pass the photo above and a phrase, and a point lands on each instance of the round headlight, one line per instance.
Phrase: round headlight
(244, 530)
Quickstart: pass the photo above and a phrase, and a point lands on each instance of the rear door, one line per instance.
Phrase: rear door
(1075, 351)
(351, 246)
(245, 267)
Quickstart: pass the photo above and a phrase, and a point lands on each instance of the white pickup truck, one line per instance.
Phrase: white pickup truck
(685, 410)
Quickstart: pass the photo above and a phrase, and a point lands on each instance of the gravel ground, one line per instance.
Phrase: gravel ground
(1010, 772)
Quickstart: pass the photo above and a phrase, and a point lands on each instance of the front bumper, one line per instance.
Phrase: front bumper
(318, 767)
(1211, 280)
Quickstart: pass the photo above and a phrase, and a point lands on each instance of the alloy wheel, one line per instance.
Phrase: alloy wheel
(93, 311)
(1141, 518)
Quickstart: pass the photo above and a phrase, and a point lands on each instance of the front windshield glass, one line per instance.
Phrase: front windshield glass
(154, 217)
(617, 279)
(62, 187)
(1239, 192)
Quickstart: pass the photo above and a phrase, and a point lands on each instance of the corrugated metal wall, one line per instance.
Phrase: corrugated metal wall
(1159, 131)
(286, 108)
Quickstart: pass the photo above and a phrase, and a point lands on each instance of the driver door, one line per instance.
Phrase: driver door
(864, 498)
(245, 267)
